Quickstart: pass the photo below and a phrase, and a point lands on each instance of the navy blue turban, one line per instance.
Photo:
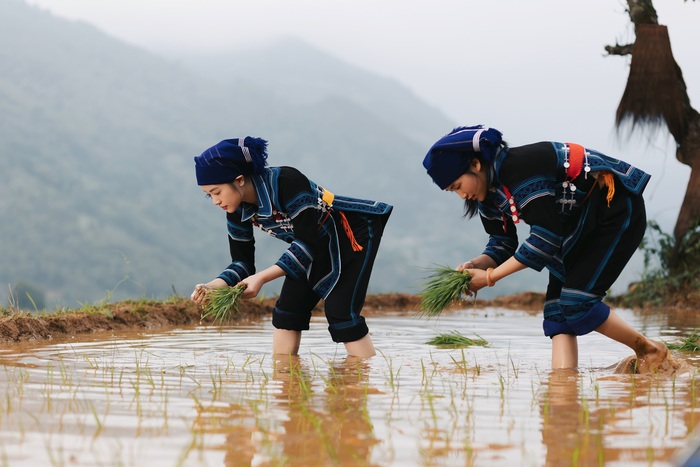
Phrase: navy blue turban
(451, 155)
(225, 161)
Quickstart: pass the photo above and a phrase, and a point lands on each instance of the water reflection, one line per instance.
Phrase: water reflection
(215, 396)
(302, 423)
(586, 418)
(567, 420)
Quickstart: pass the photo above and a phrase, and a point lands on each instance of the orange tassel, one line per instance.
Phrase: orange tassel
(348, 231)
(607, 179)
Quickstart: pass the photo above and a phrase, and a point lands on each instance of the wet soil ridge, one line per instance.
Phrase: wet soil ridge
(151, 315)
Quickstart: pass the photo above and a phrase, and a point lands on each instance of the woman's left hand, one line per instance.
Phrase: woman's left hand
(478, 280)
(253, 285)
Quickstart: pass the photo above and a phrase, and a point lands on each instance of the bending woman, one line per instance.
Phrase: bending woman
(333, 241)
(586, 216)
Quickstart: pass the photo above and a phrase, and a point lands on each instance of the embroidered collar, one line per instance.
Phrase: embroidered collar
(499, 193)
(264, 207)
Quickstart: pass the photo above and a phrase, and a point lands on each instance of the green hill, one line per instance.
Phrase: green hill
(96, 143)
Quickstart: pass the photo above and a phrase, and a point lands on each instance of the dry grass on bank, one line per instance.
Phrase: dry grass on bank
(150, 315)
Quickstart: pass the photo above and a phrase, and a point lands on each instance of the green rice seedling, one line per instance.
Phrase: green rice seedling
(217, 381)
(512, 364)
(91, 406)
(393, 377)
(455, 339)
(223, 303)
(689, 344)
(443, 287)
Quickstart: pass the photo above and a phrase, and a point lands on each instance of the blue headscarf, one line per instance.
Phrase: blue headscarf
(228, 159)
(451, 155)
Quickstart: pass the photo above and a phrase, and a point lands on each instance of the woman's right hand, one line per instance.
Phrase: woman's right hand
(465, 266)
(199, 294)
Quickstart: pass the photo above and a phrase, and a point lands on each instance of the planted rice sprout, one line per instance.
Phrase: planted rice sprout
(689, 344)
(444, 286)
(456, 339)
(223, 303)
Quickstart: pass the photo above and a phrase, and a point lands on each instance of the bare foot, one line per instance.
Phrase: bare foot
(658, 360)
(627, 366)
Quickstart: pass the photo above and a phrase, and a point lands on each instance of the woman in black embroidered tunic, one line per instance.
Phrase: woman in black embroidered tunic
(586, 215)
(333, 242)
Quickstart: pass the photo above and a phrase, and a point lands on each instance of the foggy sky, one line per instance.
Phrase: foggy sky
(534, 69)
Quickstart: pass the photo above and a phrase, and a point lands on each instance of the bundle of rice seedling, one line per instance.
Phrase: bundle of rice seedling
(223, 303)
(689, 344)
(443, 287)
(456, 339)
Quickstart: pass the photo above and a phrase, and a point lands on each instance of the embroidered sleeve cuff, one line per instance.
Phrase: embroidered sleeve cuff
(296, 261)
(236, 272)
(500, 248)
(539, 249)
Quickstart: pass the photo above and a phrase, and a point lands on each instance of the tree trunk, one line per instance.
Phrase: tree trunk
(688, 152)
(643, 106)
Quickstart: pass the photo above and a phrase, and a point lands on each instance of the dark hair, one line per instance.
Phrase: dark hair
(471, 206)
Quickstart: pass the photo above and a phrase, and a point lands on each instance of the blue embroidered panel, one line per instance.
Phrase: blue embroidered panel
(301, 202)
(531, 189)
(278, 225)
(343, 203)
(576, 303)
(552, 310)
(296, 261)
(539, 248)
(500, 248)
(633, 178)
(236, 272)
(240, 232)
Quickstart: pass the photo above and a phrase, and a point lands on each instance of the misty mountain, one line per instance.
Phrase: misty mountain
(97, 137)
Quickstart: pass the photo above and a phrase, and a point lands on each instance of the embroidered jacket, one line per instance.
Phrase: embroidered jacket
(293, 208)
(535, 177)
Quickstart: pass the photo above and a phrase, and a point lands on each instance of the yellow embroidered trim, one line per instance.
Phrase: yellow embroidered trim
(327, 197)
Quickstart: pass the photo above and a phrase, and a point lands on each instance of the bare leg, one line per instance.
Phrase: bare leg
(362, 348)
(650, 354)
(286, 342)
(564, 351)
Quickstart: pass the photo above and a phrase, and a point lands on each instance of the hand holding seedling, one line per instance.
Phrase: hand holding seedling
(443, 287)
(478, 279)
(199, 295)
(223, 303)
(252, 284)
(478, 275)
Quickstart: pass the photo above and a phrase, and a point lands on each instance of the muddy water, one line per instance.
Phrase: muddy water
(214, 396)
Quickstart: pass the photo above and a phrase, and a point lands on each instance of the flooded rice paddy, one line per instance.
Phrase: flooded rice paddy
(214, 396)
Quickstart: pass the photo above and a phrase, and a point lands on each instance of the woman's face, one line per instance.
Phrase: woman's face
(471, 185)
(228, 196)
